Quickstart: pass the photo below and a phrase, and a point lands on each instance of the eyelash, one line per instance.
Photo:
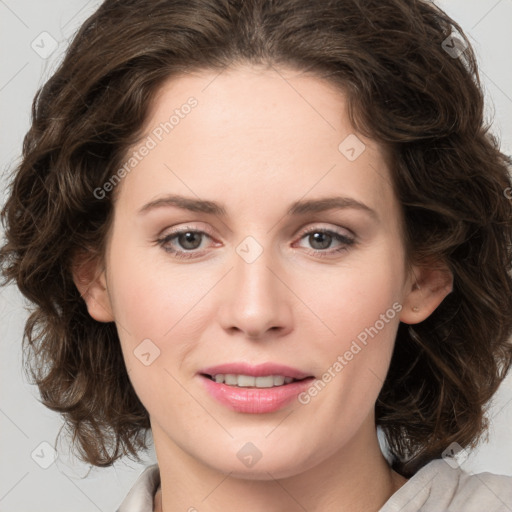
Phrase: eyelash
(322, 253)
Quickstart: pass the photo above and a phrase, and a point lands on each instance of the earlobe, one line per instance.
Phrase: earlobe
(430, 285)
(90, 280)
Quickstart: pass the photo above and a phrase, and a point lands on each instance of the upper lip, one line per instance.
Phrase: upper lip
(259, 370)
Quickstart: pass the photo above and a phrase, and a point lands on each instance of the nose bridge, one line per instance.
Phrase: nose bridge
(257, 299)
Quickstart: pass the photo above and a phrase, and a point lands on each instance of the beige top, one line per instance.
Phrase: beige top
(437, 487)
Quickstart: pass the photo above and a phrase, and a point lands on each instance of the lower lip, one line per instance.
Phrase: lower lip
(255, 400)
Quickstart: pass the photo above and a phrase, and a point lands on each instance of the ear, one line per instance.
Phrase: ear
(427, 286)
(90, 280)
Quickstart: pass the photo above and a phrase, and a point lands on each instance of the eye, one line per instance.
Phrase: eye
(321, 239)
(184, 243)
(189, 240)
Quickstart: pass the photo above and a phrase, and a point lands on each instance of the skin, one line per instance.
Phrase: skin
(258, 140)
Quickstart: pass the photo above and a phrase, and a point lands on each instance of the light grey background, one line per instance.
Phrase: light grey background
(24, 423)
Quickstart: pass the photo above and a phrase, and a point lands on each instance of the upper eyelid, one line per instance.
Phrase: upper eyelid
(181, 229)
(305, 231)
(301, 231)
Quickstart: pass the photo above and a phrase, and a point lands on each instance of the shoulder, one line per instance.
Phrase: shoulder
(140, 496)
(439, 487)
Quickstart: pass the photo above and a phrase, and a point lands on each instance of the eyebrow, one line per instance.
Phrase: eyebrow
(300, 207)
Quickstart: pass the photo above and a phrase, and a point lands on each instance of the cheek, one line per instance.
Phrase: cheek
(161, 312)
(153, 310)
(153, 299)
(360, 308)
(352, 297)
(156, 299)
(163, 309)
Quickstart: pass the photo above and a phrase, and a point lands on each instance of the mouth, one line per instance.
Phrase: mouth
(254, 389)
(251, 381)
(254, 394)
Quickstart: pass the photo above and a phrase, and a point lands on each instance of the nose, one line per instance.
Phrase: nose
(257, 301)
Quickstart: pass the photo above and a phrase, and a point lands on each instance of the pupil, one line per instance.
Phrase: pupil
(320, 238)
(187, 240)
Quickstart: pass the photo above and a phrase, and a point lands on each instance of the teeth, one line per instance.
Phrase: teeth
(245, 381)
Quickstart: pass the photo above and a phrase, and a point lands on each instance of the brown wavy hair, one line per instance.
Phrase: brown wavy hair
(404, 89)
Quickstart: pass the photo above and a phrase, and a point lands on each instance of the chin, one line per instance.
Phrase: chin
(266, 467)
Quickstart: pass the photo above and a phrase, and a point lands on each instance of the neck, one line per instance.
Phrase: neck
(356, 478)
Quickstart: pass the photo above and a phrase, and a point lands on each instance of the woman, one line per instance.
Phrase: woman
(260, 230)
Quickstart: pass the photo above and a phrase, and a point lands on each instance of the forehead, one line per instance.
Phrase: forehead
(255, 133)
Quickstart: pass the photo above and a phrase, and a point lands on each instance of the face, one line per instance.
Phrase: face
(263, 273)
